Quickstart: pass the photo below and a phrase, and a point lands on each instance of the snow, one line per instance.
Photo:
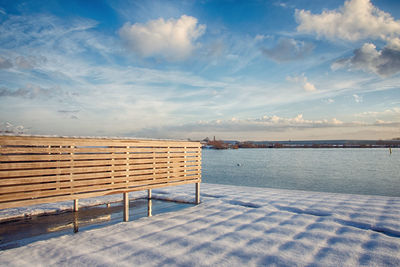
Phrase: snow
(234, 226)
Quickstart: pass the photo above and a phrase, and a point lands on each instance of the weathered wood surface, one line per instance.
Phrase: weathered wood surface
(36, 170)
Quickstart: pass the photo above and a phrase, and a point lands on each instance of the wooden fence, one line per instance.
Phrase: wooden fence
(36, 170)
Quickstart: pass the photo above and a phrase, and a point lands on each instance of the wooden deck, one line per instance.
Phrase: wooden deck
(35, 170)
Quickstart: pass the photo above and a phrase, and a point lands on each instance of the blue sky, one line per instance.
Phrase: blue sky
(244, 70)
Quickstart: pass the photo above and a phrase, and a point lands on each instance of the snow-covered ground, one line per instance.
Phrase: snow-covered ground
(233, 226)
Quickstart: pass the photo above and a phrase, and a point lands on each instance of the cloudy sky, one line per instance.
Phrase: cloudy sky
(244, 70)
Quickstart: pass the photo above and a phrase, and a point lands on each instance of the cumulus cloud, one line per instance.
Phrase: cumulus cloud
(272, 126)
(288, 49)
(172, 39)
(385, 62)
(266, 123)
(298, 121)
(5, 63)
(303, 82)
(356, 20)
(387, 112)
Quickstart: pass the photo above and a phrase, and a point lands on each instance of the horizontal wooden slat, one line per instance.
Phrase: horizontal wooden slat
(89, 187)
(60, 164)
(68, 183)
(21, 203)
(78, 177)
(94, 150)
(82, 176)
(5, 158)
(110, 167)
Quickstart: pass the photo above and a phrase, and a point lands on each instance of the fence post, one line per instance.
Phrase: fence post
(149, 208)
(127, 166)
(126, 207)
(197, 193)
(72, 177)
(76, 205)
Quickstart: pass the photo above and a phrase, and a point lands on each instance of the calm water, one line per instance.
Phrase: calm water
(354, 171)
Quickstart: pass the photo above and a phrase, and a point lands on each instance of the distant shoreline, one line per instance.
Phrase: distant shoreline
(221, 144)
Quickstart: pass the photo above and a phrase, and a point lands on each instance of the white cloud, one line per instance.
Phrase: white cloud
(35, 31)
(357, 98)
(277, 128)
(385, 62)
(303, 82)
(309, 87)
(273, 123)
(235, 126)
(356, 20)
(387, 112)
(298, 121)
(172, 39)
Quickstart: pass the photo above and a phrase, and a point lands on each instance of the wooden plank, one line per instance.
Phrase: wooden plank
(84, 163)
(61, 186)
(87, 169)
(93, 150)
(22, 203)
(13, 196)
(78, 177)
(28, 158)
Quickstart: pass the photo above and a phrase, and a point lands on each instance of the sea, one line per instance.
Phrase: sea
(367, 171)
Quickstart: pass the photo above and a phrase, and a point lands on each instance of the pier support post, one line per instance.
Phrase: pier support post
(197, 193)
(149, 193)
(76, 223)
(126, 207)
(76, 205)
(149, 208)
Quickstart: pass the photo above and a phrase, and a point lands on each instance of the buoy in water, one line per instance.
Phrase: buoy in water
(238, 164)
(390, 150)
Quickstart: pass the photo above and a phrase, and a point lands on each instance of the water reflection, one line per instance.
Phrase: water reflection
(21, 232)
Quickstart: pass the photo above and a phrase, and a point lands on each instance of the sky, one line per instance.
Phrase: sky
(237, 70)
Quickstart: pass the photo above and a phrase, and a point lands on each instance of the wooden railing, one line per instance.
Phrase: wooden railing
(36, 170)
